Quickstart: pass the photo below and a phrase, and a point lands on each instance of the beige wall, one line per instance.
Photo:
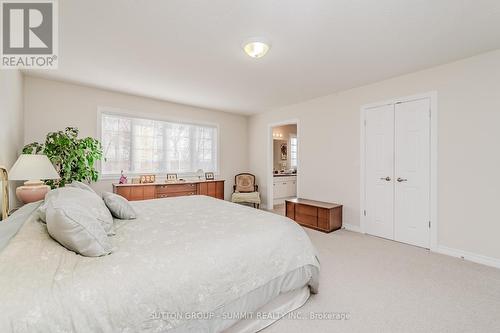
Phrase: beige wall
(52, 105)
(11, 120)
(468, 148)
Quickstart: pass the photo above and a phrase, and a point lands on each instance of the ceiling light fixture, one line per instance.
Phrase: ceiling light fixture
(256, 49)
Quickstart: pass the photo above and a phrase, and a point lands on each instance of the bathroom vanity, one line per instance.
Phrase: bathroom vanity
(284, 186)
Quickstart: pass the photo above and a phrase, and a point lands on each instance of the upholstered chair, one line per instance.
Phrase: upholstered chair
(245, 191)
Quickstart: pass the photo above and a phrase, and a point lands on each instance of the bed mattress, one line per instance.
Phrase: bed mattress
(187, 264)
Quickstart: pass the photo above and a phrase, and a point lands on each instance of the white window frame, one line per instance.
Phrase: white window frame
(148, 116)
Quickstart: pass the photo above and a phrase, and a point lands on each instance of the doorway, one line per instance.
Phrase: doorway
(282, 167)
(398, 170)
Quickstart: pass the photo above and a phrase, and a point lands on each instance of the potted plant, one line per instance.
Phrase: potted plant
(73, 157)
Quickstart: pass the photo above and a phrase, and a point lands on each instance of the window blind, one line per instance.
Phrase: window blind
(137, 145)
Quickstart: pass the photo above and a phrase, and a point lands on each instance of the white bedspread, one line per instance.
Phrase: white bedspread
(182, 255)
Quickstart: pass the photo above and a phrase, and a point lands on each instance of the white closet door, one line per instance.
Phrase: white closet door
(379, 158)
(412, 172)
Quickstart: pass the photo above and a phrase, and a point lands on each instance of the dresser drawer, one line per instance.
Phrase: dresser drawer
(174, 188)
(175, 194)
(323, 218)
(307, 215)
(124, 192)
(138, 192)
(305, 219)
(290, 210)
(306, 210)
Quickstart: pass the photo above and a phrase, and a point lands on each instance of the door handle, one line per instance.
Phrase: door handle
(387, 179)
(401, 179)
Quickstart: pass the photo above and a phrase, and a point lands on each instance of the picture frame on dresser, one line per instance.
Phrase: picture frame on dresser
(147, 179)
(171, 177)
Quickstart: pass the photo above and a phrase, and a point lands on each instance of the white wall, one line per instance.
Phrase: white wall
(468, 148)
(52, 105)
(11, 121)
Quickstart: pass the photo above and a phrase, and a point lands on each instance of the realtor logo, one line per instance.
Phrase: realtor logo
(29, 34)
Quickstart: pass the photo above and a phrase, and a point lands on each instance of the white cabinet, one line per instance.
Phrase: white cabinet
(284, 187)
(278, 189)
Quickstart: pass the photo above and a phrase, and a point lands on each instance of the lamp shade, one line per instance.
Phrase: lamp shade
(33, 167)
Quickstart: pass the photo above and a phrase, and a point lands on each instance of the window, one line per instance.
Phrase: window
(293, 152)
(137, 145)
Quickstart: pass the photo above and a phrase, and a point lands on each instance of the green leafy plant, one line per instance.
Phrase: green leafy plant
(73, 158)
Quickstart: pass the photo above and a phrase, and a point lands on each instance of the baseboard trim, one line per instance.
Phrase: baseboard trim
(477, 258)
(441, 249)
(351, 227)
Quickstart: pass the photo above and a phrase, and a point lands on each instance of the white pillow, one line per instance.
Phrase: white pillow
(89, 199)
(71, 220)
(80, 185)
(41, 211)
(119, 206)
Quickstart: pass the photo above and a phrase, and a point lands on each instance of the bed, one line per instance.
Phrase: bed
(186, 264)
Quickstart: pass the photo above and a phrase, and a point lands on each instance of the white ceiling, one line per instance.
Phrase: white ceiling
(189, 51)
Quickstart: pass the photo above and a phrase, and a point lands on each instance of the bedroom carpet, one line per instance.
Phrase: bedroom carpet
(279, 209)
(386, 286)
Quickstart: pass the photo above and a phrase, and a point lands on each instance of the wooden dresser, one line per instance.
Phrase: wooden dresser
(132, 192)
(322, 216)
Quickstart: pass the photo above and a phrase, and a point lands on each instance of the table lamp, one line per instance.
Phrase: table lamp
(32, 168)
(5, 192)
